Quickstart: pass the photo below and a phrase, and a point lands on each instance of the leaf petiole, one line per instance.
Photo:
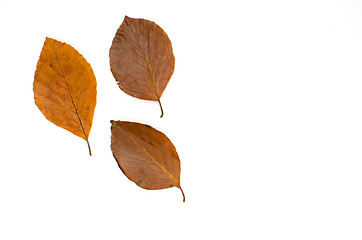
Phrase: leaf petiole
(90, 152)
(159, 102)
(183, 194)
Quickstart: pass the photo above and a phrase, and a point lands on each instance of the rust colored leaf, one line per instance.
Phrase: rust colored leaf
(146, 156)
(65, 88)
(141, 59)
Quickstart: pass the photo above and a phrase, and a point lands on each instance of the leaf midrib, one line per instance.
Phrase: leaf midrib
(70, 95)
(147, 63)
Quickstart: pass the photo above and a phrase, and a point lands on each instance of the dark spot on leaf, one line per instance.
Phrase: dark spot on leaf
(139, 182)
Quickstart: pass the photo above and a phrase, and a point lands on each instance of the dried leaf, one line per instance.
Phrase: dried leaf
(141, 59)
(65, 88)
(145, 155)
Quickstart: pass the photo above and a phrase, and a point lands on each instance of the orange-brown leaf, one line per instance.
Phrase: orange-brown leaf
(146, 156)
(141, 59)
(65, 88)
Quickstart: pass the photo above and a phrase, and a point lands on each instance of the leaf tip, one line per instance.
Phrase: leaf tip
(48, 39)
(126, 18)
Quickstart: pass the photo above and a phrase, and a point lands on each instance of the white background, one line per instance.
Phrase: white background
(264, 108)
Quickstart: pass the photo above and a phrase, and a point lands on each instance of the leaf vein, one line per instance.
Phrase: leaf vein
(58, 103)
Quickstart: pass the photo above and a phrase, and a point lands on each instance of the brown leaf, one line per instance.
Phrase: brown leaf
(146, 156)
(141, 59)
(65, 88)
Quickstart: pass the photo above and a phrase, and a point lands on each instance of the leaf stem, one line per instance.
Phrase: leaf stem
(159, 102)
(183, 194)
(90, 152)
